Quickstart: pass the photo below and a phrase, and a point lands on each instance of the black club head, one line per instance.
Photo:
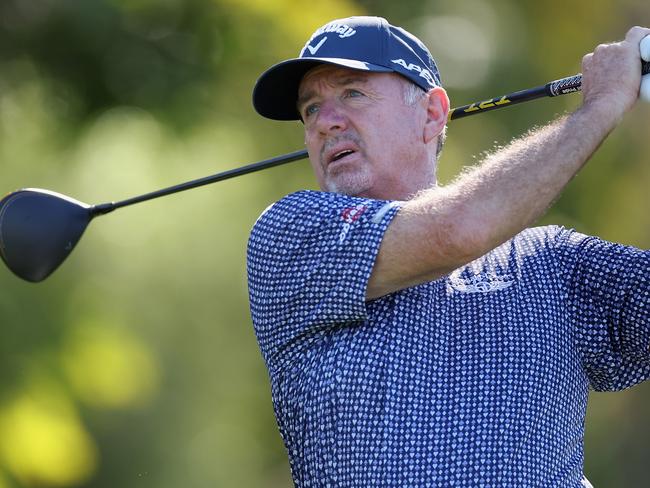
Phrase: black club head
(38, 229)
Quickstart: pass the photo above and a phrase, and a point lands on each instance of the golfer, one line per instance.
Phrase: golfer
(424, 336)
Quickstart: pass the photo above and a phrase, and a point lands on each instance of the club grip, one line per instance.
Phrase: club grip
(574, 83)
(564, 86)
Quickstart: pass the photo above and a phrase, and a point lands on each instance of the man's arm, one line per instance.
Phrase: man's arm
(608, 308)
(444, 228)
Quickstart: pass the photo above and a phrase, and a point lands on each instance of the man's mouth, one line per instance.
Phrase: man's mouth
(341, 154)
(339, 150)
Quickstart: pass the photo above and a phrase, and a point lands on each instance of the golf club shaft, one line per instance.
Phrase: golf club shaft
(250, 168)
(552, 89)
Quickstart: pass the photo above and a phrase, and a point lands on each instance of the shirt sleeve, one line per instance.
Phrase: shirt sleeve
(608, 290)
(310, 256)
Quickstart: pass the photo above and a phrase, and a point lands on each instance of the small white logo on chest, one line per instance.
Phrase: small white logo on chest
(480, 283)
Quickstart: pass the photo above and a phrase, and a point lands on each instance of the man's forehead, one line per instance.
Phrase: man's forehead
(334, 74)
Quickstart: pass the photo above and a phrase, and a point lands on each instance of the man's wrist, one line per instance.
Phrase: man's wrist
(601, 115)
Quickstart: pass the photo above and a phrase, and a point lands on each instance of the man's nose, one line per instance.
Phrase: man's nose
(331, 117)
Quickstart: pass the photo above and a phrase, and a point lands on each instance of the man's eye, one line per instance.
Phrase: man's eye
(351, 93)
(310, 109)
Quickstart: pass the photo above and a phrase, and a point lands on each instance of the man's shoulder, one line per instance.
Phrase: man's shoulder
(539, 242)
(549, 245)
(300, 202)
(546, 236)
(309, 207)
(285, 210)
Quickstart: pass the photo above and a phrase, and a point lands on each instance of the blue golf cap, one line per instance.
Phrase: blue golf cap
(363, 43)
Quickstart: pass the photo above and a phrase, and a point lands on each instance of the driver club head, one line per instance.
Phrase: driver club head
(38, 229)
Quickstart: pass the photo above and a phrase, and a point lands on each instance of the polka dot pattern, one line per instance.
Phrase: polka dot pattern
(478, 379)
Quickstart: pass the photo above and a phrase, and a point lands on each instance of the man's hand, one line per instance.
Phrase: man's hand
(611, 76)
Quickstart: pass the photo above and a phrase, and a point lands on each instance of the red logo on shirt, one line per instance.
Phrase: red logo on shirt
(351, 214)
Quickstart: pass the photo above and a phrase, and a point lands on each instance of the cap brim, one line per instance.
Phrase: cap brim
(276, 91)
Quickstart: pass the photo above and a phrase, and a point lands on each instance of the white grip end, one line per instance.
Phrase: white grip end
(644, 47)
(644, 91)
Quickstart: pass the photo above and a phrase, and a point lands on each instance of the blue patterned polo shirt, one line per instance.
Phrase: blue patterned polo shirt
(477, 379)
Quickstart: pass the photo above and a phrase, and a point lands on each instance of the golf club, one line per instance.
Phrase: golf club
(40, 228)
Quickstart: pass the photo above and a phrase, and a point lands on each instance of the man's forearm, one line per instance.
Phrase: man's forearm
(515, 186)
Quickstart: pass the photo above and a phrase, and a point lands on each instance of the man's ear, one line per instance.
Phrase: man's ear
(437, 106)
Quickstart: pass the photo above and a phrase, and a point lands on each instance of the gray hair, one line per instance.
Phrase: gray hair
(411, 94)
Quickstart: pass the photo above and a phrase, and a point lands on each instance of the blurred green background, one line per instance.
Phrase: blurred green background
(135, 364)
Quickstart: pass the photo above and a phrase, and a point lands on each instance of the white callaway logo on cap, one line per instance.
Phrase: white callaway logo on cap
(312, 50)
(343, 30)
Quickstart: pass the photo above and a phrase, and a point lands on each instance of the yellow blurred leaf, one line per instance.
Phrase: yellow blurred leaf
(108, 367)
(42, 440)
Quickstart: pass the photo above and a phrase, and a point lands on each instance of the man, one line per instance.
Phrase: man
(414, 335)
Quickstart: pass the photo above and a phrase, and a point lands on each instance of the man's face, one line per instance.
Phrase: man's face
(362, 138)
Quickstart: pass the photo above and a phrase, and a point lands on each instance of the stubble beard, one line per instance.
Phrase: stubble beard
(350, 182)
(353, 179)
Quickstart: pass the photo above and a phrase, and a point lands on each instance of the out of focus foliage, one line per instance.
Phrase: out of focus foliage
(135, 364)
